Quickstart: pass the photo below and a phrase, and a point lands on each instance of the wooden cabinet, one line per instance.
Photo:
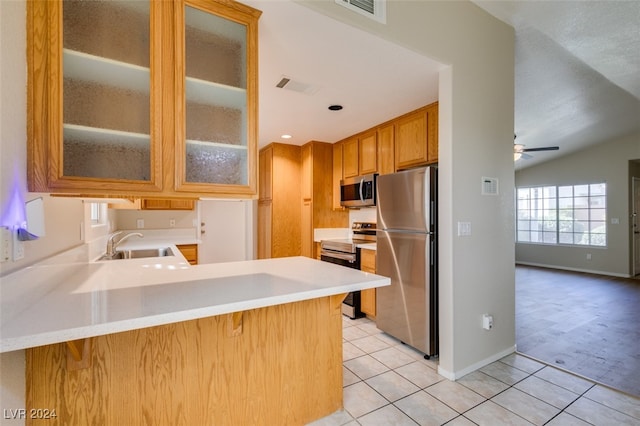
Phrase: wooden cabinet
(350, 157)
(317, 195)
(172, 204)
(368, 153)
(337, 174)
(190, 252)
(360, 155)
(416, 141)
(410, 140)
(432, 132)
(142, 98)
(279, 229)
(368, 297)
(386, 154)
(155, 204)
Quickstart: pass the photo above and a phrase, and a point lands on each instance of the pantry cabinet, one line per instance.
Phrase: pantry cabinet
(279, 188)
(337, 174)
(317, 200)
(142, 98)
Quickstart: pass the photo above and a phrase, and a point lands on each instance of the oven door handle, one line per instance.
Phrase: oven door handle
(349, 257)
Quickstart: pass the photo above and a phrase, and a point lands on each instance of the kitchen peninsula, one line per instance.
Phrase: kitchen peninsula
(156, 341)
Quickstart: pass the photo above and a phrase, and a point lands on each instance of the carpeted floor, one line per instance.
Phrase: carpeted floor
(584, 323)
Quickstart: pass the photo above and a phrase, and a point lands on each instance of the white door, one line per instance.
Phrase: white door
(635, 222)
(226, 231)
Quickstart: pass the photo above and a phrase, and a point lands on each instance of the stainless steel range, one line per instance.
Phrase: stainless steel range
(346, 252)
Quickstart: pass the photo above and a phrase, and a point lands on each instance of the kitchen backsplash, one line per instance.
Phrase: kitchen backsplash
(362, 215)
(156, 219)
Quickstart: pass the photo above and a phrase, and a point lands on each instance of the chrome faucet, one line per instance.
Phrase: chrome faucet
(112, 244)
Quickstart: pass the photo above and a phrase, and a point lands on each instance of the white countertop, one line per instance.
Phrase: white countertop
(72, 298)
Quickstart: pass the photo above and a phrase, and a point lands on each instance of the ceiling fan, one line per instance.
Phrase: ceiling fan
(519, 150)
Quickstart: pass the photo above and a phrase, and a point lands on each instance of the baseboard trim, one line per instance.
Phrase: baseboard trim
(566, 268)
(455, 375)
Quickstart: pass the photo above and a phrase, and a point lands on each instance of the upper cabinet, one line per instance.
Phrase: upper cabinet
(367, 153)
(142, 98)
(350, 157)
(359, 155)
(416, 138)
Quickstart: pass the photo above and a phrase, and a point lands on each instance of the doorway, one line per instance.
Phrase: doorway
(635, 224)
(226, 232)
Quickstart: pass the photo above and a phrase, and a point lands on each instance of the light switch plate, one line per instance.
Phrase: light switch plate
(464, 229)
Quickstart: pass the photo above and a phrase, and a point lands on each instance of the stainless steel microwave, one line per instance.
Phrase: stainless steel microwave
(358, 191)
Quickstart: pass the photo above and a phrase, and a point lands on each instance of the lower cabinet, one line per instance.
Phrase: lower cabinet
(190, 252)
(368, 297)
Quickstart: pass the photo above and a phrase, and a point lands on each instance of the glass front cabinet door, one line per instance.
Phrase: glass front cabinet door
(153, 98)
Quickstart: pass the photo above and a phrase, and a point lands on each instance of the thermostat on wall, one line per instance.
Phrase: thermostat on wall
(489, 186)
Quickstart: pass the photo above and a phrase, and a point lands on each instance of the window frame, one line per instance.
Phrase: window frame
(552, 214)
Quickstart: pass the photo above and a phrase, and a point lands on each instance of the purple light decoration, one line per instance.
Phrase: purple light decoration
(14, 211)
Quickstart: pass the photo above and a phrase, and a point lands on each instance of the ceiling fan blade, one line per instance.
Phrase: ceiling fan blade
(526, 156)
(545, 148)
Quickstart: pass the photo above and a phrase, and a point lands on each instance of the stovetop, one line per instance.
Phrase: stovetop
(363, 233)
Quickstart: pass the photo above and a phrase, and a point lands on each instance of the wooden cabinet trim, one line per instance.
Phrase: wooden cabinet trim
(166, 174)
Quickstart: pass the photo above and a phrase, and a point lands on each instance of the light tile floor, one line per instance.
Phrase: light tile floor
(388, 383)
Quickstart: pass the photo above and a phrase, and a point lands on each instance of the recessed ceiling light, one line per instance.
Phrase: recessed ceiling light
(335, 107)
(286, 136)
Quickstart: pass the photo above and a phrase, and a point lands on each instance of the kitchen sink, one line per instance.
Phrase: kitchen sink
(139, 254)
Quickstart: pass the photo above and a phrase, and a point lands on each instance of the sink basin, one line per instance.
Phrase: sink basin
(139, 254)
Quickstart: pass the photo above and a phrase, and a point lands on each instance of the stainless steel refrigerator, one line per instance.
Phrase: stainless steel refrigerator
(407, 253)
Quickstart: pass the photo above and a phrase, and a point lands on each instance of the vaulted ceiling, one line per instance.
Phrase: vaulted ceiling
(577, 74)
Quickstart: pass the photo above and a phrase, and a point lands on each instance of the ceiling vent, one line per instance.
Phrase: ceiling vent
(374, 9)
(296, 86)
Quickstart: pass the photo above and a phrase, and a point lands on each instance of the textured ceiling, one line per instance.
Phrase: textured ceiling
(344, 65)
(577, 74)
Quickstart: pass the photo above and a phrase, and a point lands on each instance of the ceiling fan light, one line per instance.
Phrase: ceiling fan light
(516, 156)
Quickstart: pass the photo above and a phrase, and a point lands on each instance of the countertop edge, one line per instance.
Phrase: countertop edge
(67, 333)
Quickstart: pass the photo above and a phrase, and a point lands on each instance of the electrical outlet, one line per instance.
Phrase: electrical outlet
(140, 223)
(18, 246)
(172, 223)
(487, 321)
(588, 256)
(5, 244)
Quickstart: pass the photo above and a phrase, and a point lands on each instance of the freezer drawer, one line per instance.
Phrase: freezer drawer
(407, 309)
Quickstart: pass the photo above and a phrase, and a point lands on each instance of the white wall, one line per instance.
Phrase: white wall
(607, 162)
(476, 102)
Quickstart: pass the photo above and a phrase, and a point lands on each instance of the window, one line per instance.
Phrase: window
(567, 215)
(98, 213)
